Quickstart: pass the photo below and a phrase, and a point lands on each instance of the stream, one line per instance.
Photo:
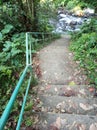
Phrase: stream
(67, 21)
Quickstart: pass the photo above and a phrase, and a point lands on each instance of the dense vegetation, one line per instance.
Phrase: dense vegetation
(73, 3)
(85, 49)
(16, 18)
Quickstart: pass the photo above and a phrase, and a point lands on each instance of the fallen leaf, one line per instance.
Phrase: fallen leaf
(63, 111)
(45, 122)
(63, 121)
(86, 107)
(72, 83)
(58, 122)
(95, 105)
(56, 125)
(69, 93)
(52, 127)
(48, 87)
(82, 91)
(91, 89)
(59, 105)
(95, 94)
(73, 125)
(36, 119)
(81, 127)
(93, 126)
(44, 72)
(56, 90)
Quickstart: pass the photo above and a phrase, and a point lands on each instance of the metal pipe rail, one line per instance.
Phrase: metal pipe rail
(6, 113)
(10, 104)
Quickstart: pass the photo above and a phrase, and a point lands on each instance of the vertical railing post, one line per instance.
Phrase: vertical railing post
(27, 53)
(23, 105)
(30, 53)
(43, 36)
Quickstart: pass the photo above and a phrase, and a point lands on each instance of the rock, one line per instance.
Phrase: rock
(62, 15)
(71, 20)
(73, 23)
(79, 13)
(89, 11)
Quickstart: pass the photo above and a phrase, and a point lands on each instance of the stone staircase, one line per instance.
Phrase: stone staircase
(63, 102)
(62, 107)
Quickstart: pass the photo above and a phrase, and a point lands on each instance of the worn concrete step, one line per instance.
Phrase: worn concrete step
(50, 121)
(70, 105)
(67, 90)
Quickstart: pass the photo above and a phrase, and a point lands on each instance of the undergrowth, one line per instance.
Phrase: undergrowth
(84, 46)
(12, 53)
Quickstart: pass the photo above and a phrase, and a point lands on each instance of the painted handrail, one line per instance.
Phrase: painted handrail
(10, 104)
(23, 105)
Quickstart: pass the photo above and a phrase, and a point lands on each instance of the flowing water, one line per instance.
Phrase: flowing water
(67, 21)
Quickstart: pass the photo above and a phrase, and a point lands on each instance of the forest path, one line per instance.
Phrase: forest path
(64, 101)
(57, 65)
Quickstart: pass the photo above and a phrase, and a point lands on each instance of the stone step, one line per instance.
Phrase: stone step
(67, 90)
(70, 105)
(51, 121)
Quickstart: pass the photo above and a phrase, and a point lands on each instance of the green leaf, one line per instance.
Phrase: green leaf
(7, 46)
(15, 51)
(29, 106)
(0, 36)
(3, 68)
(96, 81)
(33, 51)
(7, 28)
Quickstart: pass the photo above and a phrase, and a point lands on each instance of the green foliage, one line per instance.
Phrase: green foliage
(72, 4)
(91, 3)
(84, 46)
(45, 12)
(28, 121)
(7, 28)
(12, 48)
(13, 24)
(43, 24)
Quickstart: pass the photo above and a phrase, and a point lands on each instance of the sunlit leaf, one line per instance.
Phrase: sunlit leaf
(93, 126)
(7, 28)
(0, 36)
(86, 107)
(72, 83)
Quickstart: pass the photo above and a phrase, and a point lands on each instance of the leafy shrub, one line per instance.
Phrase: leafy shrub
(44, 14)
(71, 4)
(84, 46)
(87, 27)
(12, 48)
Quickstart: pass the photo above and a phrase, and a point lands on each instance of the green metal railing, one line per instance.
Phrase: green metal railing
(41, 37)
(10, 104)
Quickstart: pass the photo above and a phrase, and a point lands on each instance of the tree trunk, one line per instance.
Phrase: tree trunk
(35, 9)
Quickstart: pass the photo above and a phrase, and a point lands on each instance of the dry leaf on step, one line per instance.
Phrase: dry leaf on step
(86, 107)
(48, 87)
(72, 83)
(81, 127)
(82, 91)
(56, 90)
(91, 89)
(56, 125)
(93, 126)
(53, 127)
(58, 122)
